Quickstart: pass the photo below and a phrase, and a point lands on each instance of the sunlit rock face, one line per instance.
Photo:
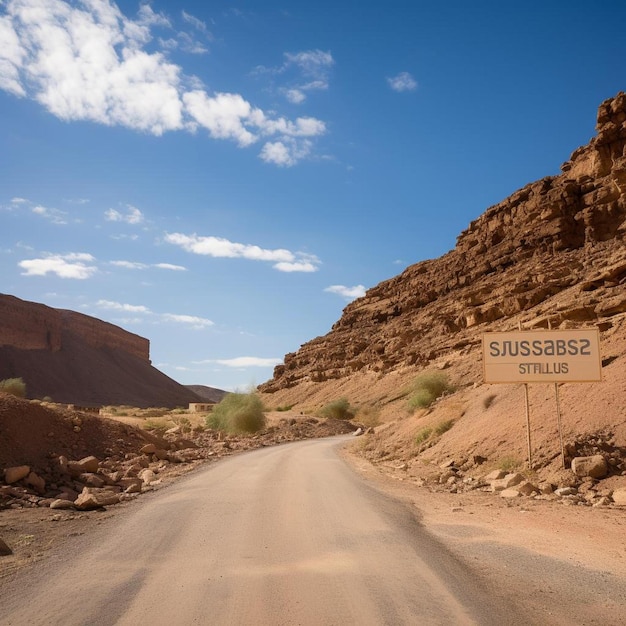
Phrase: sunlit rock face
(553, 253)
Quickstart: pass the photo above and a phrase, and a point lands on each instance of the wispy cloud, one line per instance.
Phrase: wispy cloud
(132, 215)
(191, 320)
(305, 71)
(187, 320)
(349, 293)
(77, 265)
(217, 247)
(135, 265)
(402, 82)
(118, 306)
(89, 61)
(53, 215)
(242, 362)
(169, 266)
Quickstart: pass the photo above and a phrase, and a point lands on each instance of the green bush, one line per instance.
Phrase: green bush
(286, 407)
(426, 388)
(14, 386)
(238, 413)
(337, 409)
(423, 435)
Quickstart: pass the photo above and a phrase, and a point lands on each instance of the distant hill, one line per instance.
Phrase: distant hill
(77, 359)
(208, 394)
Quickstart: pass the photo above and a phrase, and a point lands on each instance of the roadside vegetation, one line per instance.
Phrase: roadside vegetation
(14, 386)
(238, 413)
(429, 435)
(426, 388)
(337, 409)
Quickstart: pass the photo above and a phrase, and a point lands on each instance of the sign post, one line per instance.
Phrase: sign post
(542, 356)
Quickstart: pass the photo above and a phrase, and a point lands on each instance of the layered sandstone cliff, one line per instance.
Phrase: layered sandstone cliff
(78, 359)
(553, 253)
(33, 326)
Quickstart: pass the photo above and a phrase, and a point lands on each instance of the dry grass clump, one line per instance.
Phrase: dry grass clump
(426, 388)
(14, 386)
(337, 409)
(238, 413)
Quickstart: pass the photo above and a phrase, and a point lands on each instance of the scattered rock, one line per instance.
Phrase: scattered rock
(593, 466)
(13, 474)
(619, 497)
(94, 498)
(4, 549)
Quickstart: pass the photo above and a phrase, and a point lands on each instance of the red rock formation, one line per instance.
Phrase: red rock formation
(553, 252)
(33, 326)
(77, 359)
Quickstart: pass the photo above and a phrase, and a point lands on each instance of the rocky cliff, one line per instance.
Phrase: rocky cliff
(78, 359)
(33, 326)
(553, 253)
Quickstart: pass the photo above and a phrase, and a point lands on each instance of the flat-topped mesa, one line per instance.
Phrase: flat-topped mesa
(33, 326)
(560, 238)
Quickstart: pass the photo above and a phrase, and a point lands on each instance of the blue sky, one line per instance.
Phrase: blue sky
(223, 178)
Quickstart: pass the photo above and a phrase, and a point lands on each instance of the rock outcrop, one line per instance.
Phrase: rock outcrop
(553, 253)
(77, 359)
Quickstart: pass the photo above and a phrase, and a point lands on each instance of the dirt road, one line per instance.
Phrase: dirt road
(283, 535)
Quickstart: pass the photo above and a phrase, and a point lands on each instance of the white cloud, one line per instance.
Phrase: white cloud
(285, 153)
(349, 293)
(131, 265)
(19, 201)
(245, 361)
(195, 322)
(74, 265)
(195, 22)
(169, 266)
(118, 306)
(312, 69)
(54, 215)
(402, 82)
(132, 216)
(88, 61)
(217, 247)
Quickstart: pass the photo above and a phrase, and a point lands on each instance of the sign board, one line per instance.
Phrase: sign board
(542, 356)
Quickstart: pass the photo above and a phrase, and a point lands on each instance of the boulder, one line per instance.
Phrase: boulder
(60, 503)
(510, 480)
(619, 497)
(36, 482)
(95, 498)
(87, 465)
(13, 474)
(590, 466)
(147, 476)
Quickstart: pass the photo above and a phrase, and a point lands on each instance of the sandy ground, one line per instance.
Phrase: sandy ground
(515, 545)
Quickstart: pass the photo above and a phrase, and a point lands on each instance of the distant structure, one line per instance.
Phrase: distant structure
(201, 407)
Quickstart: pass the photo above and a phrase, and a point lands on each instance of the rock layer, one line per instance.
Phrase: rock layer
(77, 359)
(553, 253)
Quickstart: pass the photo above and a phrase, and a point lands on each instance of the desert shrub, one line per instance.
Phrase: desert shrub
(488, 400)
(46, 399)
(423, 435)
(443, 427)
(337, 409)
(157, 425)
(238, 413)
(184, 423)
(286, 407)
(426, 388)
(14, 386)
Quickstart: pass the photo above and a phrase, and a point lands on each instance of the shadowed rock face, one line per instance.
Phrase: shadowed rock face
(552, 253)
(77, 359)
